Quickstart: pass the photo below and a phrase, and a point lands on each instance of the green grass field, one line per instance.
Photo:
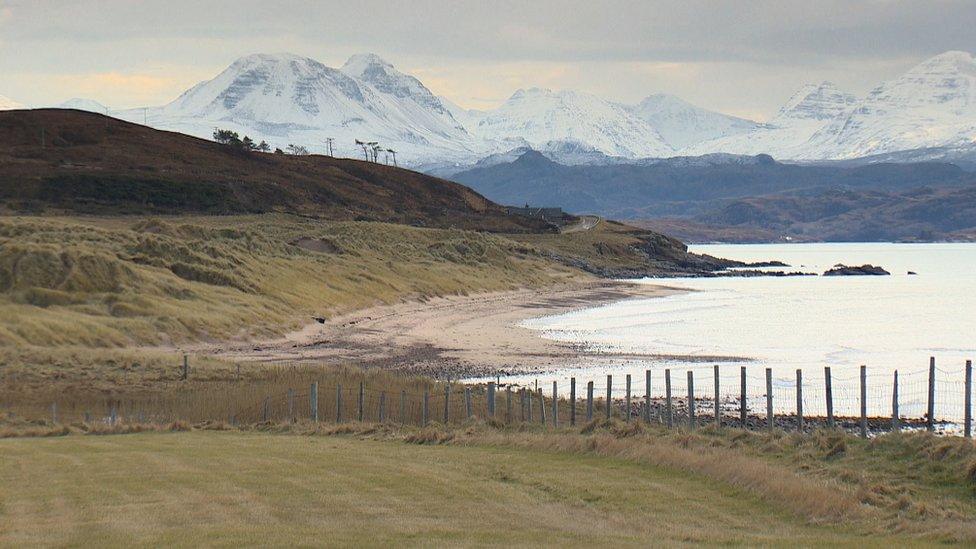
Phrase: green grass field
(217, 488)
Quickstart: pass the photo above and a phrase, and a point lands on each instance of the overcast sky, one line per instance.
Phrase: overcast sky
(740, 57)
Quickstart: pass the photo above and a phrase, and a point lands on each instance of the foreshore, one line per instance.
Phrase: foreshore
(458, 336)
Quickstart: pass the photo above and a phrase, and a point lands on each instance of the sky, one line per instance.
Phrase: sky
(739, 57)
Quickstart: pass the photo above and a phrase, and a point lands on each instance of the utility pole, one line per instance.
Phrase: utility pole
(393, 152)
(328, 142)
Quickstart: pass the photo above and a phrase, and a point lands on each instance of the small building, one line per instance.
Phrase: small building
(548, 214)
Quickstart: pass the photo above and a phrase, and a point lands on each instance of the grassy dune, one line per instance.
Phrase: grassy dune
(265, 489)
(128, 281)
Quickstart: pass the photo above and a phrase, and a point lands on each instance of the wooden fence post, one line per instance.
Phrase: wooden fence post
(828, 386)
(691, 399)
(522, 404)
(718, 399)
(291, 405)
(589, 401)
(930, 420)
(403, 407)
(338, 403)
(627, 419)
(467, 402)
(647, 396)
(968, 401)
(799, 400)
(572, 400)
(770, 419)
(313, 401)
(895, 419)
(529, 395)
(267, 408)
(361, 401)
(185, 375)
(113, 414)
(426, 409)
(447, 403)
(491, 399)
(743, 403)
(864, 402)
(667, 398)
(382, 406)
(54, 412)
(542, 407)
(87, 416)
(508, 403)
(609, 395)
(555, 406)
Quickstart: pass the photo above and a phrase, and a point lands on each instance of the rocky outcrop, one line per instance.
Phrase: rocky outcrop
(863, 270)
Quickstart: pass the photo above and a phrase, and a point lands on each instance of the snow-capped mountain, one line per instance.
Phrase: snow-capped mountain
(808, 110)
(538, 116)
(285, 98)
(931, 105)
(7, 104)
(682, 124)
(82, 104)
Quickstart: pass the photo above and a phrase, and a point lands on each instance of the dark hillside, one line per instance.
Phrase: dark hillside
(65, 161)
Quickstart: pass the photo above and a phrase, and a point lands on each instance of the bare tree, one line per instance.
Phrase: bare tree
(365, 147)
(298, 150)
(376, 151)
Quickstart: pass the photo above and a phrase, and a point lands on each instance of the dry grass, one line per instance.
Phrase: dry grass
(913, 484)
(204, 488)
(124, 282)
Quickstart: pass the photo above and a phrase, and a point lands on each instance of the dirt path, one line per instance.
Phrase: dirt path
(470, 335)
(585, 223)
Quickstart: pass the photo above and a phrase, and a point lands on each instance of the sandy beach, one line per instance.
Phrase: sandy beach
(457, 336)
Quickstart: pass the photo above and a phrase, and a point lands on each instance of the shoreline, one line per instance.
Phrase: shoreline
(458, 336)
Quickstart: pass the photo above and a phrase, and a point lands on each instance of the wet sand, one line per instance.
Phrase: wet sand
(458, 336)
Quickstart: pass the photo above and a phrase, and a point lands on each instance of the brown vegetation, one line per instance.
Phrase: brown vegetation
(54, 160)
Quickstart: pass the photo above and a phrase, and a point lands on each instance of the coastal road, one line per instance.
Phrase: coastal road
(585, 223)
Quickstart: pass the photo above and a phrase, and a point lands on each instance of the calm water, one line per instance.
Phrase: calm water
(885, 323)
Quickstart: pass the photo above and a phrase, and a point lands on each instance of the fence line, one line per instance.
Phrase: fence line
(867, 403)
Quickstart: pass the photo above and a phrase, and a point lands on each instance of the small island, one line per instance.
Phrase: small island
(863, 270)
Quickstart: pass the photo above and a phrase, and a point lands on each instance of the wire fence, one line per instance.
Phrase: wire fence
(868, 402)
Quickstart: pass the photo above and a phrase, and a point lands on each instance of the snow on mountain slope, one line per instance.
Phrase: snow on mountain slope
(682, 124)
(468, 118)
(7, 104)
(539, 116)
(931, 105)
(809, 109)
(285, 98)
(82, 104)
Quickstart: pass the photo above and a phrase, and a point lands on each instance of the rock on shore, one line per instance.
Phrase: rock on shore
(863, 270)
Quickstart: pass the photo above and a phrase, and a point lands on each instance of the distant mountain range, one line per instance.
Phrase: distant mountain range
(722, 197)
(286, 98)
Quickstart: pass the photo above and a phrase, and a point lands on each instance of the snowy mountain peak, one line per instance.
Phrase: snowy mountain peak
(537, 116)
(82, 104)
(383, 76)
(682, 124)
(7, 104)
(359, 63)
(950, 61)
(522, 93)
(822, 101)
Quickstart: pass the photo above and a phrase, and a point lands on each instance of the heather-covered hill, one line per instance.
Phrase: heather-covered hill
(56, 160)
